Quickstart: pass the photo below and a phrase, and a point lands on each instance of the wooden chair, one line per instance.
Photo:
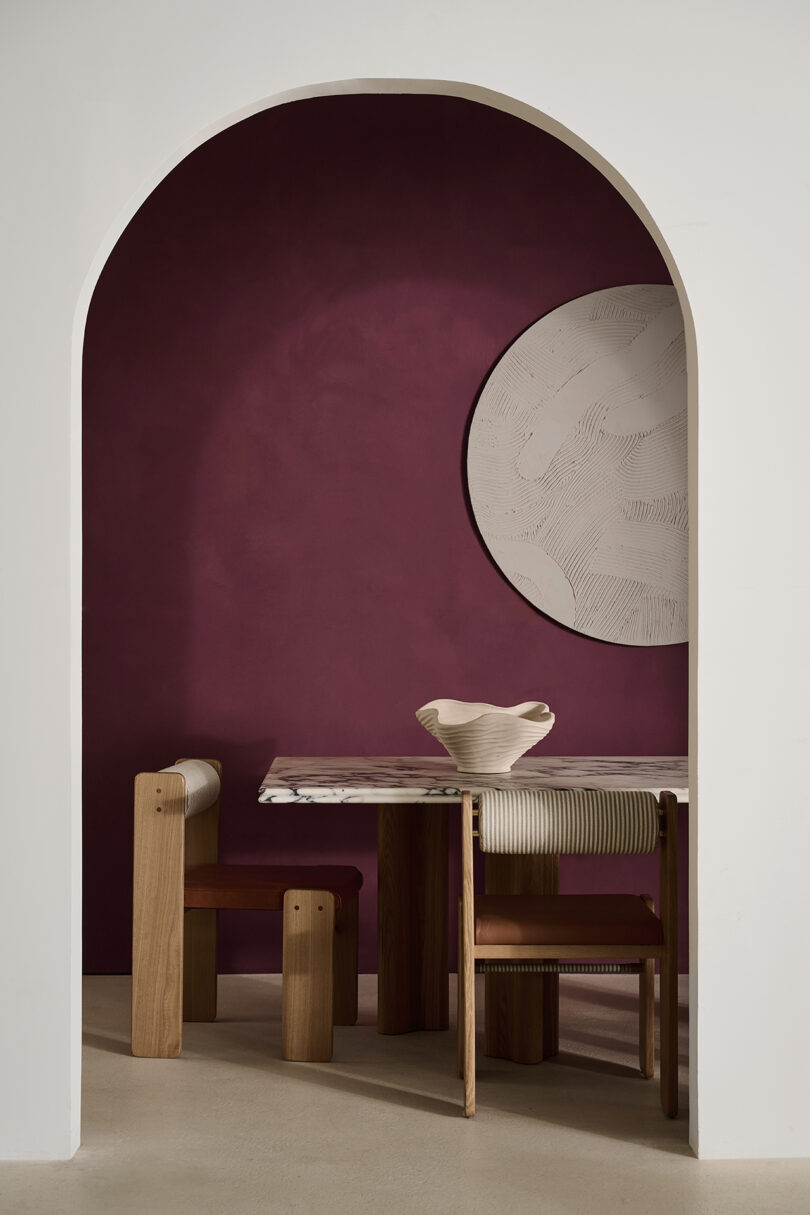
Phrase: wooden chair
(555, 933)
(178, 887)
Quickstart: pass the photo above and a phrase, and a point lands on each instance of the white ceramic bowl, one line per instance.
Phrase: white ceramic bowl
(484, 738)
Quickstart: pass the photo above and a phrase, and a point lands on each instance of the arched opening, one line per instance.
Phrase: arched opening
(281, 355)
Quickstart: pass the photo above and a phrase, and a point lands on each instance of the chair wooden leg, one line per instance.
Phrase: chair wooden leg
(460, 997)
(345, 965)
(200, 964)
(157, 916)
(468, 1021)
(466, 977)
(646, 1009)
(646, 1018)
(307, 975)
(669, 1035)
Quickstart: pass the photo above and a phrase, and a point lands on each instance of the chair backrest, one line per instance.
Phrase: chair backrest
(203, 784)
(177, 815)
(567, 821)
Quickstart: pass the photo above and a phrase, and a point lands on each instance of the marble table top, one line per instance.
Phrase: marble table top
(434, 778)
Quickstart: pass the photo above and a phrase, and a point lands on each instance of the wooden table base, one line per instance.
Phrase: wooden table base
(412, 918)
(413, 888)
(522, 1011)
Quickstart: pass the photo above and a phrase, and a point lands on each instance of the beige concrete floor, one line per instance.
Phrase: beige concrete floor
(230, 1128)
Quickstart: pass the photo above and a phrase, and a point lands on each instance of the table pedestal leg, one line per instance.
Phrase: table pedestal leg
(412, 918)
(522, 1011)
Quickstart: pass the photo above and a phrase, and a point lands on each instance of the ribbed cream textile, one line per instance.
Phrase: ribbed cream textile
(549, 967)
(567, 820)
(202, 784)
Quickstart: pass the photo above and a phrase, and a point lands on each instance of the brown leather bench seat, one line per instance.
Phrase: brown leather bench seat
(565, 919)
(262, 887)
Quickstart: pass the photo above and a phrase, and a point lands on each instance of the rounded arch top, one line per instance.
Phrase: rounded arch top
(384, 85)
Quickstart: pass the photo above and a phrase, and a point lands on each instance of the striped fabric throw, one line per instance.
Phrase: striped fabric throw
(567, 820)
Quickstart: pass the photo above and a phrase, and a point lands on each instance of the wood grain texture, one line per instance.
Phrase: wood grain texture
(522, 1020)
(646, 1009)
(174, 952)
(200, 965)
(467, 1031)
(397, 953)
(307, 994)
(432, 894)
(157, 915)
(668, 996)
(412, 918)
(200, 926)
(551, 1015)
(525, 952)
(460, 1005)
(345, 963)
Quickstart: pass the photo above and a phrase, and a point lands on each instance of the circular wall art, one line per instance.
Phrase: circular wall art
(576, 465)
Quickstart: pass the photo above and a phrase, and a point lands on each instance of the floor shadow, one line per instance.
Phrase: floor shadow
(113, 1046)
(606, 1097)
(601, 1043)
(336, 1075)
(590, 1063)
(561, 1093)
(604, 998)
(345, 1082)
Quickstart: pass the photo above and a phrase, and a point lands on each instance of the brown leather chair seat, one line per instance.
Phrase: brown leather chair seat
(565, 919)
(262, 887)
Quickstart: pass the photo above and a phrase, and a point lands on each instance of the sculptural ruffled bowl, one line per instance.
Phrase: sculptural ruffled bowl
(484, 738)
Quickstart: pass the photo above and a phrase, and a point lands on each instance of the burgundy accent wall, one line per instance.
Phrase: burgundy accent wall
(281, 358)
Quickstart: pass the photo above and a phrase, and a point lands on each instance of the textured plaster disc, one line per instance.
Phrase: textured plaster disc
(577, 465)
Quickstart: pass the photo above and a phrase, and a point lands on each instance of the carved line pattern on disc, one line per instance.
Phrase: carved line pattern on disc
(577, 469)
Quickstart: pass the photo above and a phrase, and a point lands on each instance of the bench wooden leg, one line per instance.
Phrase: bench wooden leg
(345, 967)
(307, 976)
(200, 965)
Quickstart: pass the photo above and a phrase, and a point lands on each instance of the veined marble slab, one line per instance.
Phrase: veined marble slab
(413, 779)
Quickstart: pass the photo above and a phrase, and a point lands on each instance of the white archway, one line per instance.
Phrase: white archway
(703, 111)
(404, 87)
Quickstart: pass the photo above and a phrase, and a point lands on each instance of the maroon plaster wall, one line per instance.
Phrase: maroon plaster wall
(281, 358)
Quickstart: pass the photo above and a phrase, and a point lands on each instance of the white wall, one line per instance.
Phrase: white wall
(702, 108)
